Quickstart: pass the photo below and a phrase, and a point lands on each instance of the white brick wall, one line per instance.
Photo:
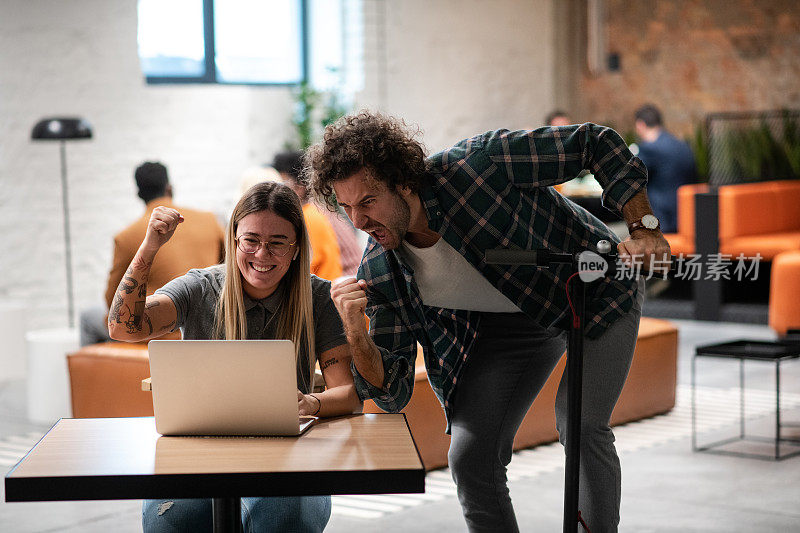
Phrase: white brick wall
(460, 67)
(455, 67)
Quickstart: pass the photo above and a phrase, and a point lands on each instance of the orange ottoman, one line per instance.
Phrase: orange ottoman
(106, 380)
(648, 391)
(784, 292)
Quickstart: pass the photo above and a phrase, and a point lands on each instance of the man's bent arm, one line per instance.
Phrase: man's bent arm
(549, 156)
(366, 358)
(384, 356)
(643, 243)
(637, 207)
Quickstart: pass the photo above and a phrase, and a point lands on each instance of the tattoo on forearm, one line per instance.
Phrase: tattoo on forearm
(139, 264)
(116, 306)
(128, 284)
(138, 311)
(131, 322)
(149, 325)
(330, 362)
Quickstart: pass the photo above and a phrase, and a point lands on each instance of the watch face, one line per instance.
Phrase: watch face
(650, 222)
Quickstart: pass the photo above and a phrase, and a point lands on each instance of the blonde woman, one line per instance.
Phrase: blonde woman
(263, 291)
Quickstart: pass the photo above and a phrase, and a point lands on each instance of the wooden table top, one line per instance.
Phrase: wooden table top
(124, 458)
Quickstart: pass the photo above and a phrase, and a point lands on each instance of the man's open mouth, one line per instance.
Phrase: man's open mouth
(378, 234)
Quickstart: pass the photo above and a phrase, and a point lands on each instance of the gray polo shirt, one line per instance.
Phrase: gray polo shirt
(196, 293)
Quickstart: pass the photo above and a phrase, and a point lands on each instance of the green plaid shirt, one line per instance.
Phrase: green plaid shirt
(495, 191)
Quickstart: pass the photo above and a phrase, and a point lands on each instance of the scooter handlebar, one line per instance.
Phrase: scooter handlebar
(544, 258)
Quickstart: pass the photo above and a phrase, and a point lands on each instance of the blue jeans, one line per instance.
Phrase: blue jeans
(290, 514)
(509, 364)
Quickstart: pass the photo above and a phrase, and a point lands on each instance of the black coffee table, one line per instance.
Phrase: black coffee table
(775, 352)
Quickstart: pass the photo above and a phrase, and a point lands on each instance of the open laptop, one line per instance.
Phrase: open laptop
(243, 387)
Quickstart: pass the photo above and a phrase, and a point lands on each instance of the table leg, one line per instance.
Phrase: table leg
(777, 409)
(694, 416)
(741, 398)
(227, 514)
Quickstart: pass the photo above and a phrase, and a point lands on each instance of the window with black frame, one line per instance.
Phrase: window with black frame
(256, 42)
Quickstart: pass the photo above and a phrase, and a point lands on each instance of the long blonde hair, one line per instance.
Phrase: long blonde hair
(295, 310)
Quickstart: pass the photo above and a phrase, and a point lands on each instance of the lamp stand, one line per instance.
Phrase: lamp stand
(67, 243)
(63, 129)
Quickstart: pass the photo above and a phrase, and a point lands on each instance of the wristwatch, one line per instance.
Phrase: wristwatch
(646, 222)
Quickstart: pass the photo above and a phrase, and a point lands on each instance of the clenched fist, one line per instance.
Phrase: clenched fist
(350, 299)
(160, 227)
(642, 246)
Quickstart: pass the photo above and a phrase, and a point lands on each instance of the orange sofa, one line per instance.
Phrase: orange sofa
(784, 293)
(759, 218)
(754, 218)
(683, 242)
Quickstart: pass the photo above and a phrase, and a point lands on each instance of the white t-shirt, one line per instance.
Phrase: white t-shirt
(445, 279)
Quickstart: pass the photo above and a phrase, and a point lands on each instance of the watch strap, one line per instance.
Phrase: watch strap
(633, 226)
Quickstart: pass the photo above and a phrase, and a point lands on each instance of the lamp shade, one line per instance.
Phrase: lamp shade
(59, 128)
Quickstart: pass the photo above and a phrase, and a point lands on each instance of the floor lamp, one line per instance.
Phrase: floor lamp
(63, 129)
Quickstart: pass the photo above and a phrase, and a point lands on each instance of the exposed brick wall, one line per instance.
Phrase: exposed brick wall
(692, 57)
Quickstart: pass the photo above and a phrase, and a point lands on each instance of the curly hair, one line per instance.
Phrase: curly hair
(383, 145)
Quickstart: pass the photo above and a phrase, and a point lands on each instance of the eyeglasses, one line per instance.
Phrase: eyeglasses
(251, 245)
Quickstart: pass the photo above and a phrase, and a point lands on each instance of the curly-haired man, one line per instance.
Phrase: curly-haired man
(491, 335)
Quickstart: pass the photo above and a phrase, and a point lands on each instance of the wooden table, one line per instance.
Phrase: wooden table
(124, 458)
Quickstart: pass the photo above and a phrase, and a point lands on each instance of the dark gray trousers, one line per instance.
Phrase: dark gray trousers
(512, 359)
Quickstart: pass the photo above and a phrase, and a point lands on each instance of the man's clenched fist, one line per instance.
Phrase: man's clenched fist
(350, 299)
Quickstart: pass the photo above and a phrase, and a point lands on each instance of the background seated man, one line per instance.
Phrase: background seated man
(669, 162)
(199, 244)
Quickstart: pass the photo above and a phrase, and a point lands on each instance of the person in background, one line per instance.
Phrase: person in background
(253, 176)
(263, 290)
(558, 118)
(670, 164)
(289, 165)
(199, 245)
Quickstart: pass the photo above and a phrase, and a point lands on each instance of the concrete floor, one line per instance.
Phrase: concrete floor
(666, 486)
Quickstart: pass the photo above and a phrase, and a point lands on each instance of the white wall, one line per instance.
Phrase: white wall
(455, 67)
(461, 67)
